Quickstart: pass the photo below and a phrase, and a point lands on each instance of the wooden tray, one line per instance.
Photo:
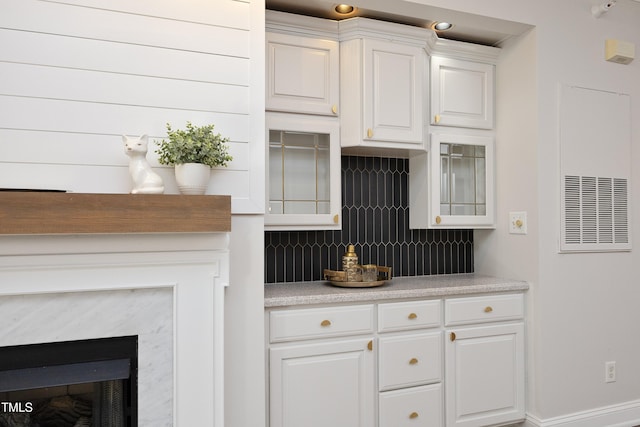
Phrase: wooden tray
(338, 278)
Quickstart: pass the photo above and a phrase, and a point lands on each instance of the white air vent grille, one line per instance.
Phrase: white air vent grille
(596, 214)
(595, 170)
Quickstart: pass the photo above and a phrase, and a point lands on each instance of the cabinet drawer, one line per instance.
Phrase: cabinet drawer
(409, 360)
(409, 315)
(289, 325)
(412, 407)
(494, 308)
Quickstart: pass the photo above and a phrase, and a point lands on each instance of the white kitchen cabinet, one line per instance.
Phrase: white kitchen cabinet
(395, 364)
(302, 128)
(409, 359)
(484, 362)
(325, 322)
(381, 84)
(410, 364)
(315, 378)
(462, 93)
(453, 185)
(302, 74)
(322, 384)
(412, 407)
(409, 315)
(303, 172)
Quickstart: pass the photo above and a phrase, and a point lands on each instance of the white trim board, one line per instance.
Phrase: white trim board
(620, 415)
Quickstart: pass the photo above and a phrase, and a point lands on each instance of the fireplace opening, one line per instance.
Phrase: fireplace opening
(88, 383)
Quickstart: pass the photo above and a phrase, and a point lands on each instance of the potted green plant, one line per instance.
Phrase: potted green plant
(193, 151)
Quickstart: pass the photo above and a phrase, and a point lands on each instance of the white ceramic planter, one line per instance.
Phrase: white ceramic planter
(192, 178)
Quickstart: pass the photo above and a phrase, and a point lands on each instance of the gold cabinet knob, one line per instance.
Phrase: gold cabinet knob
(369, 133)
(334, 109)
(336, 218)
(370, 345)
(438, 219)
(436, 118)
(488, 309)
(412, 316)
(452, 336)
(413, 361)
(413, 415)
(325, 323)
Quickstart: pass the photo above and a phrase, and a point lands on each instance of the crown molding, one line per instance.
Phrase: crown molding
(289, 23)
(356, 28)
(466, 51)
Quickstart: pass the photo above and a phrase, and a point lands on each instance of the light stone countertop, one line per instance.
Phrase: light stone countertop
(322, 292)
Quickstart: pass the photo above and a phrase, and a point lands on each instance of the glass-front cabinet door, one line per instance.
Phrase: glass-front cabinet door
(303, 172)
(462, 181)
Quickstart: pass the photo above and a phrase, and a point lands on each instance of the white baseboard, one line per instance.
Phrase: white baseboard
(622, 415)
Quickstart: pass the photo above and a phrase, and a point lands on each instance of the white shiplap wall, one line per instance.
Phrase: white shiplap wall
(77, 74)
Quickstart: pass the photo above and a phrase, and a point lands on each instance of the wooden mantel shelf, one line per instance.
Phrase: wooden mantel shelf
(31, 212)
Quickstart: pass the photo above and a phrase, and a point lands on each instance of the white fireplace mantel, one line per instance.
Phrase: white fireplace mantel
(167, 288)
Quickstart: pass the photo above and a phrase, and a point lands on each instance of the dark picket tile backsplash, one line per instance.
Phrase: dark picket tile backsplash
(375, 218)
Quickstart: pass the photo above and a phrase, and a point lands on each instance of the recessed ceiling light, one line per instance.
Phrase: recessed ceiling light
(344, 9)
(441, 26)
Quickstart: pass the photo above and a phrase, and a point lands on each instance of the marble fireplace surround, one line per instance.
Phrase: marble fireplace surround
(166, 287)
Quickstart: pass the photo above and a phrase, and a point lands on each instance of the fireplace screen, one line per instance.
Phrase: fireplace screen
(89, 383)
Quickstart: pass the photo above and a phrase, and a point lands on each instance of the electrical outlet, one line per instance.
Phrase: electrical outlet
(609, 372)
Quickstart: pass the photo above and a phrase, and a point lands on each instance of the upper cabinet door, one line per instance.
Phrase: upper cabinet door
(392, 96)
(462, 93)
(382, 86)
(452, 186)
(462, 181)
(302, 74)
(303, 172)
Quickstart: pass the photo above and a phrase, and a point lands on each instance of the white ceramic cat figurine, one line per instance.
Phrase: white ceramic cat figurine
(145, 180)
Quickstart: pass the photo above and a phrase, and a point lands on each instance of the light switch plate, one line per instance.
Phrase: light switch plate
(517, 223)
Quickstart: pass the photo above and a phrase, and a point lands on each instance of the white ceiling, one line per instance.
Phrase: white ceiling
(467, 27)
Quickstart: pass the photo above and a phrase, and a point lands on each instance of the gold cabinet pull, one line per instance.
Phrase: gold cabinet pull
(369, 133)
(413, 361)
(438, 219)
(334, 109)
(412, 316)
(370, 345)
(436, 118)
(488, 309)
(452, 336)
(413, 415)
(336, 218)
(325, 323)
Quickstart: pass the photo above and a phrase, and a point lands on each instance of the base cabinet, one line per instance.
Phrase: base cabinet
(408, 360)
(484, 372)
(416, 363)
(323, 384)
(484, 363)
(412, 407)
